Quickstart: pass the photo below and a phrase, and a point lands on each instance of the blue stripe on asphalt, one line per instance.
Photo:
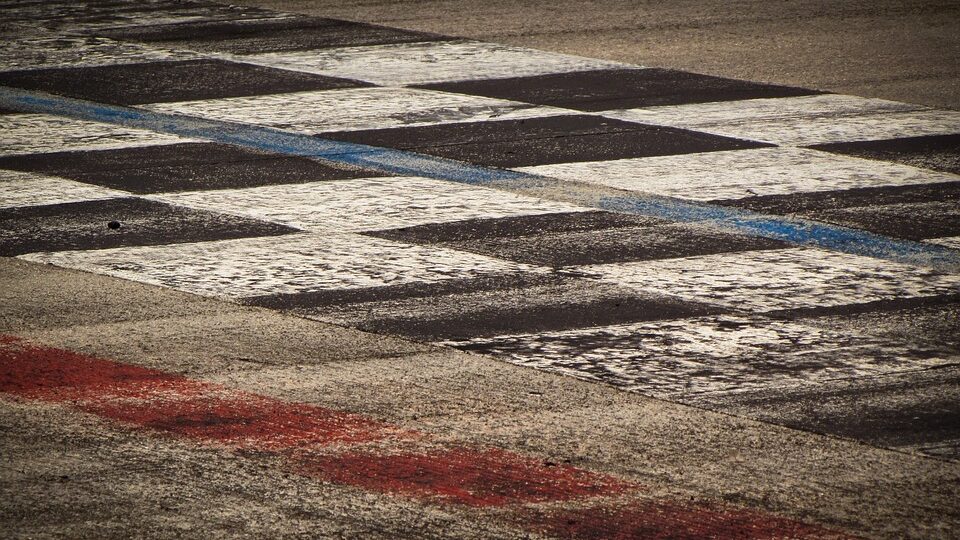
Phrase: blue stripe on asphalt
(401, 162)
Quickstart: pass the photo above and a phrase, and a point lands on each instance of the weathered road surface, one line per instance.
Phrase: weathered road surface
(298, 270)
(890, 49)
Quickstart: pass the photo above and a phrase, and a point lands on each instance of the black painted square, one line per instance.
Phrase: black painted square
(616, 246)
(540, 141)
(483, 307)
(608, 89)
(86, 225)
(470, 230)
(268, 35)
(936, 152)
(156, 82)
(795, 203)
(181, 167)
(913, 221)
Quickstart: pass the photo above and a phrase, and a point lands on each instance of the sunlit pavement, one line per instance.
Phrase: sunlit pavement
(378, 282)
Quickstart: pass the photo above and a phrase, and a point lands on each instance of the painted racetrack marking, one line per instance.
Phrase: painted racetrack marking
(31, 189)
(281, 264)
(740, 174)
(352, 450)
(407, 163)
(418, 63)
(366, 204)
(354, 109)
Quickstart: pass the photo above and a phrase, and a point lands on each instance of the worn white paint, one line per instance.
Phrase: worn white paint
(802, 121)
(280, 264)
(742, 173)
(695, 115)
(80, 51)
(356, 108)
(41, 133)
(366, 204)
(31, 189)
(419, 63)
(948, 241)
(680, 359)
(780, 279)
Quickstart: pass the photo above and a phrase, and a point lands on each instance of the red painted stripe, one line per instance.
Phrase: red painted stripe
(660, 519)
(310, 441)
(175, 405)
(471, 476)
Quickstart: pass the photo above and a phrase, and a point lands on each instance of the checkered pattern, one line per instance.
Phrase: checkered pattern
(680, 311)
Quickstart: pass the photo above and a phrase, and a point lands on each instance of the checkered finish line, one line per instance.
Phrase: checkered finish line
(683, 309)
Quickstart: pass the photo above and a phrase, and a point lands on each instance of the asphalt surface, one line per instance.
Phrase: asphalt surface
(268, 275)
(899, 50)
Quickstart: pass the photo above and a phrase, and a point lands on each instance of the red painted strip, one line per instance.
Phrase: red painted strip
(475, 477)
(302, 436)
(176, 405)
(659, 519)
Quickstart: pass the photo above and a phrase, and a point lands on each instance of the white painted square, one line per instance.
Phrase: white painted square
(366, 204)
(952, 242)
(742, 173)
(281, 264)
(36, 52)
(420, 63)
(356, 108)
(763, 281)
(31, 189)
(802, 121)
(684, 358)
(41, 133)
(720, 113)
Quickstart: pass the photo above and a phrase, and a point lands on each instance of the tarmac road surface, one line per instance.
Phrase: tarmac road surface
(266, 274)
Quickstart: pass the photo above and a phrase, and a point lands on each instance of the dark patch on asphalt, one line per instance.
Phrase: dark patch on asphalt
(317, 299)
(268, 35)
(83, 225)
(616, 246)
(913, 410)
(877, 306)
(155, 82)
(181, 167)
(828, 200)
(569, 303)
(937, 152)
(514, 227)
(914, 221)
(608, 89)
(541, 141)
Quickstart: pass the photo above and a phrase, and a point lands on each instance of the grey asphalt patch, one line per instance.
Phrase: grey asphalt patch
(604, 90)
(156, 82)
(181, 167)
(268, 35)
(85, 225)
(540, 141)
(937, 152)
(28, 304)
(830, 200)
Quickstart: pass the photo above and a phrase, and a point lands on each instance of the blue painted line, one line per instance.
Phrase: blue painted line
(406, 163)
